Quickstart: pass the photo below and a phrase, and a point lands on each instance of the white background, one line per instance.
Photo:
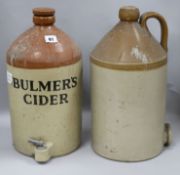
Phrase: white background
(87, 21)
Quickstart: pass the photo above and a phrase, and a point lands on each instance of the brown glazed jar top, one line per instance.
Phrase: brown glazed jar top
(31, 50)
(43, 11)
(130, 45)
(129, 13)
(43, 16)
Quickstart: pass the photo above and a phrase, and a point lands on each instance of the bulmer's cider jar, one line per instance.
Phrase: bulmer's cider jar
(128, 86)
(44, 70)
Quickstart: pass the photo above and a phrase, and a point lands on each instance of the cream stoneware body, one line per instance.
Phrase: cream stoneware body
(128, 90)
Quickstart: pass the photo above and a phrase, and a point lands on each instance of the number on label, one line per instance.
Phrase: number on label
(50, 39)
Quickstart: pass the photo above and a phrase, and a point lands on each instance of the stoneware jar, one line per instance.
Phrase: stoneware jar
(44, 70)
(128, 89)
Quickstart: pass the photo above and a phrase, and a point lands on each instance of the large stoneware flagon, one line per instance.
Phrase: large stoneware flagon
(44, 70)
(128, 89)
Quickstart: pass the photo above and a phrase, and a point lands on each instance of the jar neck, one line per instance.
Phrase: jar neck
(44, 21)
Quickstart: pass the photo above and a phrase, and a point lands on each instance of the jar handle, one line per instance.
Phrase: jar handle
(164, 28)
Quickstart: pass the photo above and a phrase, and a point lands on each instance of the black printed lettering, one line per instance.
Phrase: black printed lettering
(66, 84)
(53, 100)
(74, 81)
(63, 98)
(16, 83)
(43, 100)
(39, 87)
(32, 88)
(24, 84)
(44, 86)
(57, 85)
(27, 99)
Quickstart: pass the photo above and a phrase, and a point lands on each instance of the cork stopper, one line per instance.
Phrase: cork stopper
(44, 16)
(43, 12)
(129, 14)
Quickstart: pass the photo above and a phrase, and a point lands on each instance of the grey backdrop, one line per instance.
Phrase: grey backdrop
(86, 21)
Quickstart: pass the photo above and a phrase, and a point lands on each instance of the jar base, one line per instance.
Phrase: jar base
(125, 160)
(51, 156)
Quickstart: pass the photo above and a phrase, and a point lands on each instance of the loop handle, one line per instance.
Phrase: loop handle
(163, 24)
